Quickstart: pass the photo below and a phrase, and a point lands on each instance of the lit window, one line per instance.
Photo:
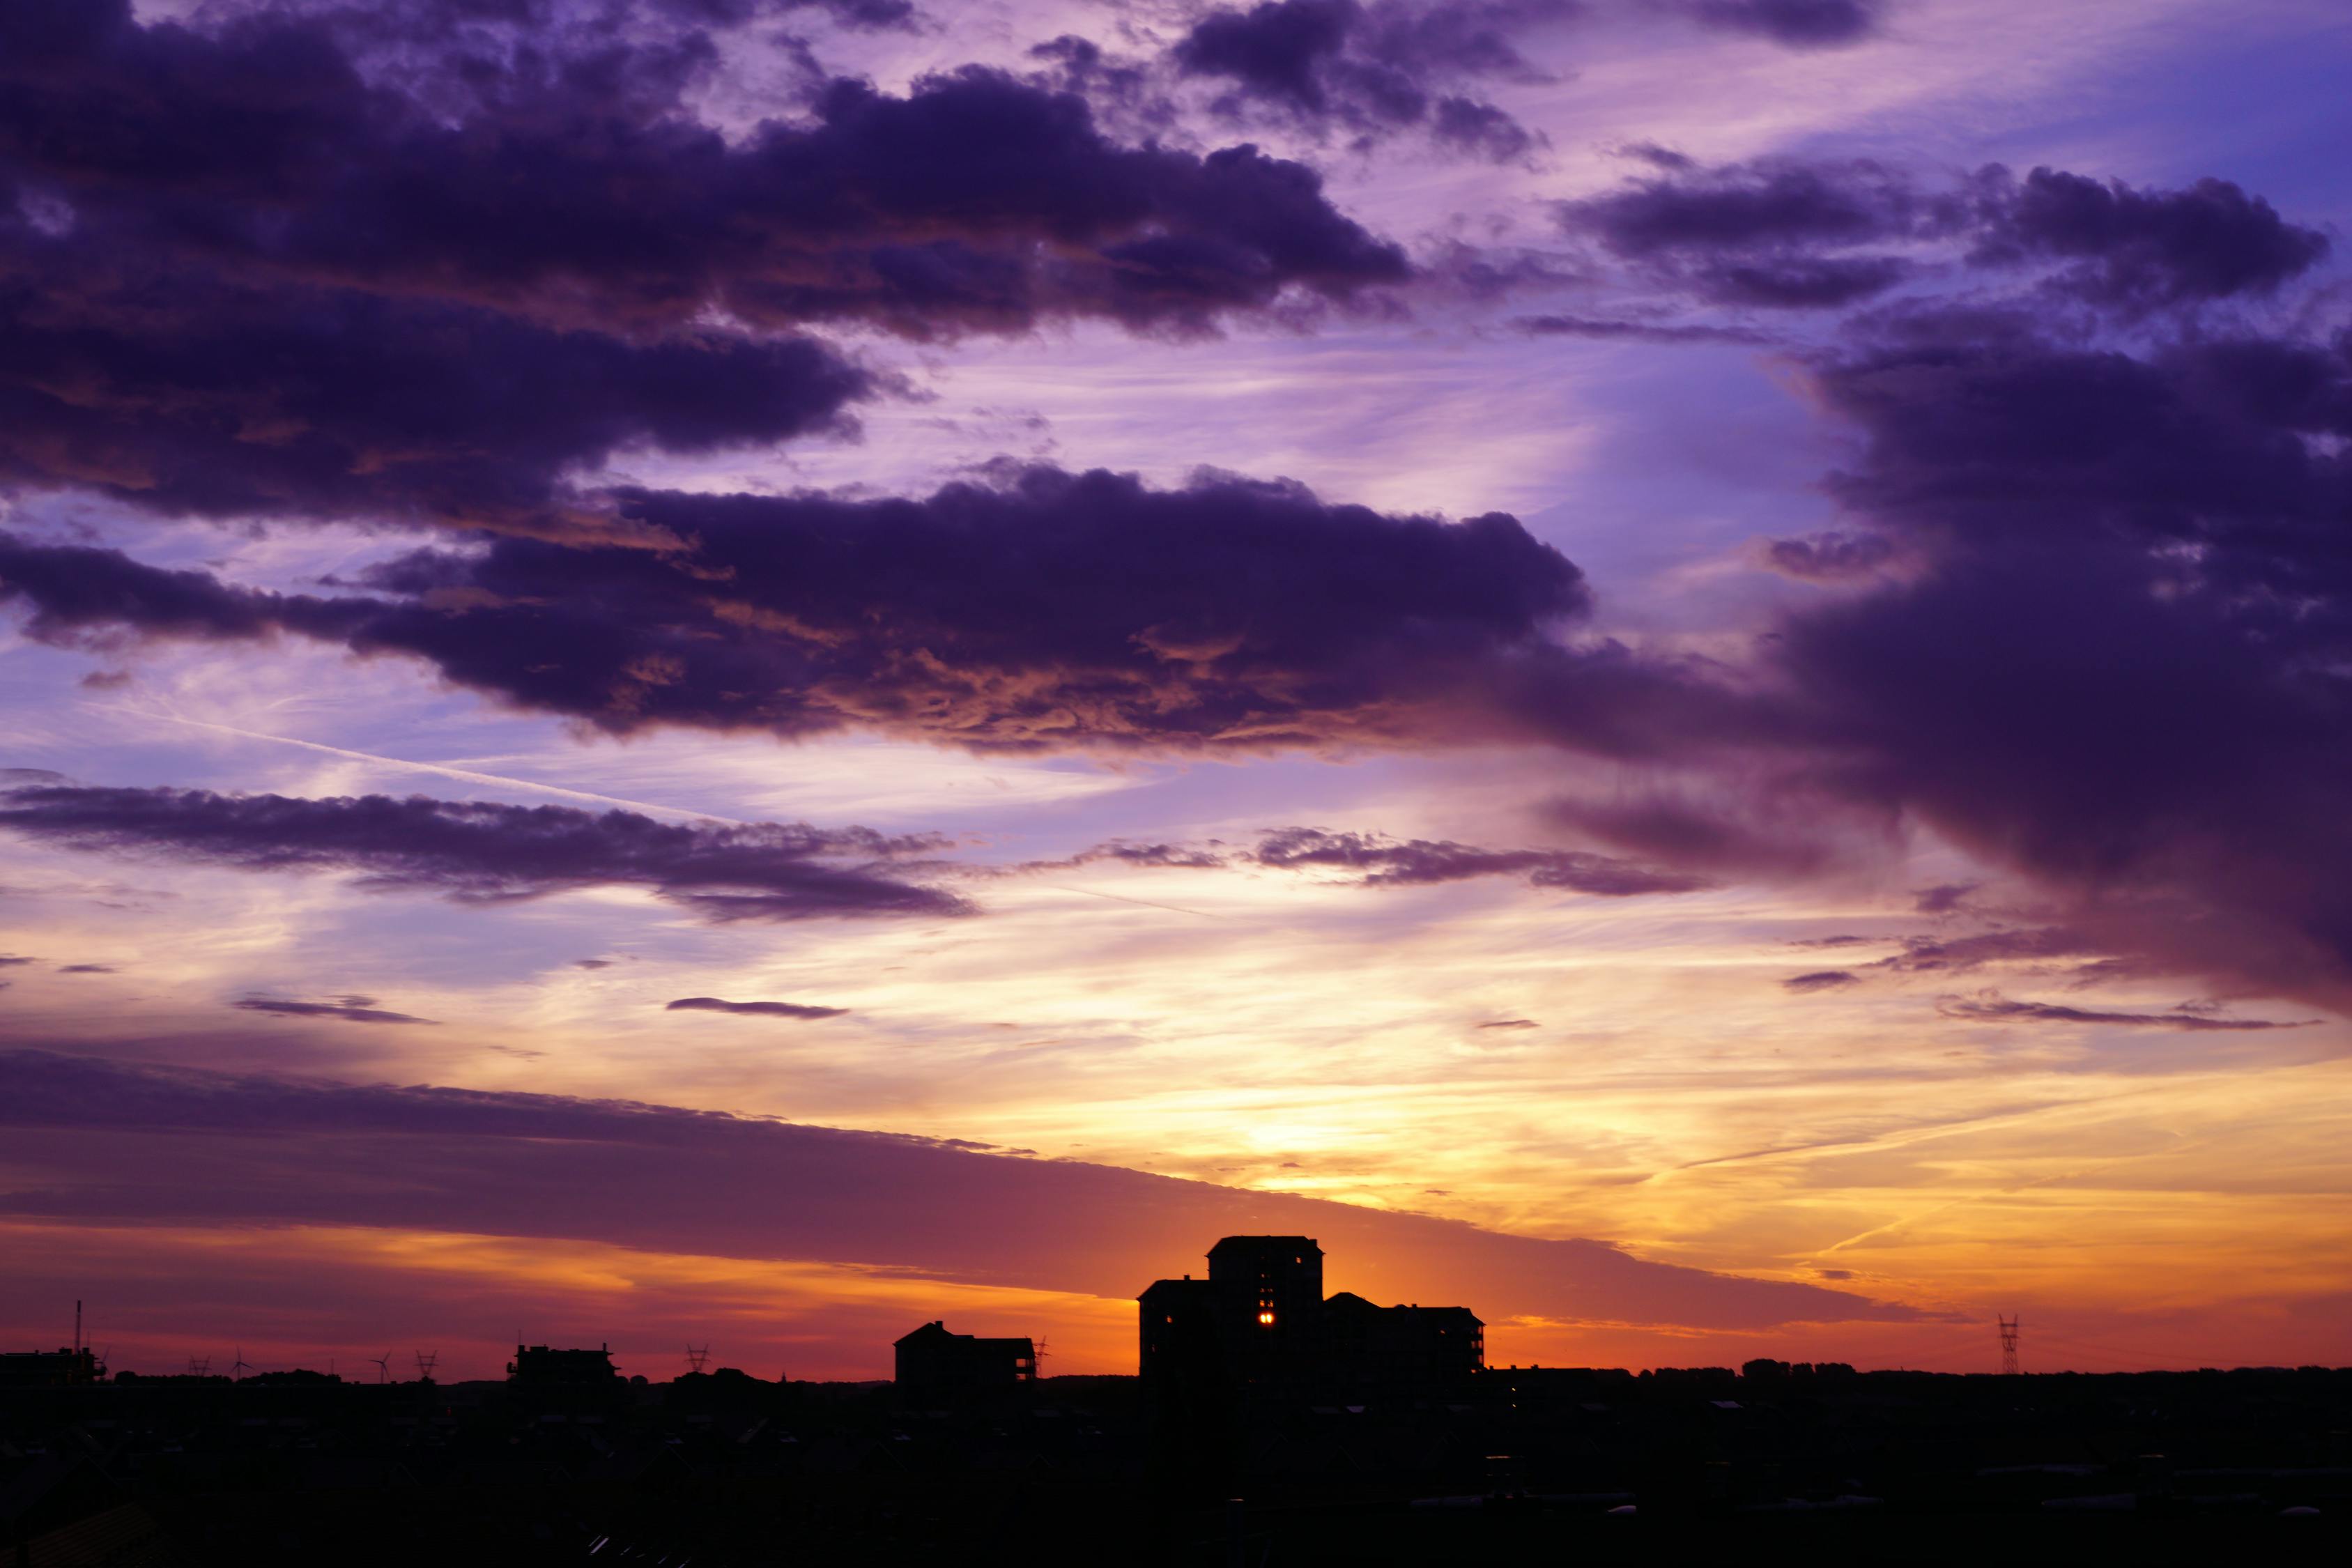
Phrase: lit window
(1267, 1318)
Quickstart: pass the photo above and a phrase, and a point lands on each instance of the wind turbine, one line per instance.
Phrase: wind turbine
(241, 1366)
(383, 1367)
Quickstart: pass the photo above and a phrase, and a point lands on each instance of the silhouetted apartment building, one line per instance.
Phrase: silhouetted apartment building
(932, 1358)
(1402, 1344)
(1261, 1318)
(541, 1365)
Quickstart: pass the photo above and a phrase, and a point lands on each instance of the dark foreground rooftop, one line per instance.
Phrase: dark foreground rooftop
(1511, 1466)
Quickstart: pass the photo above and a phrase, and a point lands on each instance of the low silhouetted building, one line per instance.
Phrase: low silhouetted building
(543, 1366)
(932, 1358)
(1261, 1319)
(50, 1369)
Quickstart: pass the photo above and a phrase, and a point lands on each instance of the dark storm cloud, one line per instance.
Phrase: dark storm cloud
(1784, 234)
(1420, 862)
(1049, 609)
(239, 274)
(752, 1009)
(77, 594)
(350, 1009)
(1820, 980)
(1804, 283)
(190, 398)
(976, 202)
(1990, 1007)
(2119, 665)
(2145, 248)
(1798, 24)
(2092, 608)
(476, 852)
(1369, 71)
(140, 1144)
(1753, 207)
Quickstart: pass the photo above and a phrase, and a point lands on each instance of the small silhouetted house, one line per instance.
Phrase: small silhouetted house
(932, 1358)
(541, 1366)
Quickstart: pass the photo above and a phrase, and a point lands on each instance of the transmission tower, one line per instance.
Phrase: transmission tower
(696, 1355)
(200, 1366)
(2008, 1346)
(425, 1360)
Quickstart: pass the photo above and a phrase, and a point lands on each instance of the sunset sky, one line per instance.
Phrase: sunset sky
(749, 671)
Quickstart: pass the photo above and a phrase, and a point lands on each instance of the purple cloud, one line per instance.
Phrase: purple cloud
(2143, 249)
(1832, 556)
(1782, 233)
(1942, 898)
(476, 852)
(273, 282)
(2153, 534)
(1381, 861)
(1796, 24)
(1371, 70)
(131, 1144)
(1048, 610)
(350, 1009)
(974, 202)
(1990, 1007)
(1420, 862)
(1820, 980)
(753, 1009)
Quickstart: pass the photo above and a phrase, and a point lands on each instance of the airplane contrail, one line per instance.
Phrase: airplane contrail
(467, 774)
(1122, 898)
